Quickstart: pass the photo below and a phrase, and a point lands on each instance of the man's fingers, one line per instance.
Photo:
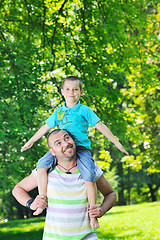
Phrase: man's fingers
(95, 211)
(42, 205)
(39, 202)
(41, 199)
(94, 206)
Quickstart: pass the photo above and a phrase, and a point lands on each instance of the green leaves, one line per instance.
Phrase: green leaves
(111, 45)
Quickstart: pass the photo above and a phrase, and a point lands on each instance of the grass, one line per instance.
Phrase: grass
(141, 221)
(27, 229)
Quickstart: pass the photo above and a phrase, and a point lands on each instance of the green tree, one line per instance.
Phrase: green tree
(111, 45)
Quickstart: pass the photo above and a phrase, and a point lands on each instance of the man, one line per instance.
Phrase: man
(67, 212)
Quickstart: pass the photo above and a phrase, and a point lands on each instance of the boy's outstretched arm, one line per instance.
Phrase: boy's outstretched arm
(44, 129)
(107, 133)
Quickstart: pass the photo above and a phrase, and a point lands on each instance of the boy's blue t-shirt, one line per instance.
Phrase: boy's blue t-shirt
(75, 120)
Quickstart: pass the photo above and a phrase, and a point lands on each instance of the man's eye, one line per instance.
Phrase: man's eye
(58, 144)
(67, 138)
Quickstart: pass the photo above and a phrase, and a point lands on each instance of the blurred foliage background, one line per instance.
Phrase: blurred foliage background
(113, 46)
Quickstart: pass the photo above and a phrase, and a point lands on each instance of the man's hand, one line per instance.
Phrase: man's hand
(26, 146)
(39, 202)
(121, 148)
(95, 211)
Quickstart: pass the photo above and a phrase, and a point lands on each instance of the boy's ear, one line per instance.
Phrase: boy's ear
(62, 91)
(81, 91)
(52, 151)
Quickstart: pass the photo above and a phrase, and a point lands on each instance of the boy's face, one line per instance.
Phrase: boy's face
(71, 91)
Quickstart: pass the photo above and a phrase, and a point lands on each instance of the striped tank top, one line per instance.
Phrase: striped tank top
(67, 212)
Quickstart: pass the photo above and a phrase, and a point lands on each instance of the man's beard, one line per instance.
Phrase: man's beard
(71, 157)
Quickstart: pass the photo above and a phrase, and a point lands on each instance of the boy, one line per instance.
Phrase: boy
(75, 118)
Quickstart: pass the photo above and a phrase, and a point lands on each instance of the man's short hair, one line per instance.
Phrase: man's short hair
(54, 132)
(72, 78)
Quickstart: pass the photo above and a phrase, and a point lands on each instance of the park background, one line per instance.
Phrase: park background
(113, 46)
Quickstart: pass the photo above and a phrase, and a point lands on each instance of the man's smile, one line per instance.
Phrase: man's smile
(69, 147)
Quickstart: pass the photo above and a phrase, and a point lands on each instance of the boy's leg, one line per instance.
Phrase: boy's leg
(47, 162)
(86, 167)
(92, 199)
(42, 180)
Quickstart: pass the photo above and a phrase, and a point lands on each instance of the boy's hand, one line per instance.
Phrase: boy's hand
(121, 148)
(26, 146)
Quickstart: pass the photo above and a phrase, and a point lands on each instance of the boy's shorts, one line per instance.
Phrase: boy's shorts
(47, 161)
(85, 163)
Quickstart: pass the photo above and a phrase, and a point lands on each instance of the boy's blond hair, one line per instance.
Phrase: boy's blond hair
(72, 78)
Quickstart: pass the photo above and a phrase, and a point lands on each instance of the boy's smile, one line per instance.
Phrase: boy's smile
(71, 92)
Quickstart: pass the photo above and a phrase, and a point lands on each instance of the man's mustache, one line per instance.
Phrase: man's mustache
(68, 146)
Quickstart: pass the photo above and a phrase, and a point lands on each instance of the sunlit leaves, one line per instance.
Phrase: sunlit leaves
(112, 45)
(106, 160)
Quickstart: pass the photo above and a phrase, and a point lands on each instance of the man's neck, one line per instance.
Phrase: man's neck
(67, 165)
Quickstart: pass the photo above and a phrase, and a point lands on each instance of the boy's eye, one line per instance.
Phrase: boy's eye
(58, 143)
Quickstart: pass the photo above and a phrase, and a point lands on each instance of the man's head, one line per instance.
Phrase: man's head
(61, 145)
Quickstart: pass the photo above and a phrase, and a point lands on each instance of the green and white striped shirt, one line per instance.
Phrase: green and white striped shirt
(67, 212)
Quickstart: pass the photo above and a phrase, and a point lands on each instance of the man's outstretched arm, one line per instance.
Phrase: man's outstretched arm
(20, 192)
(109, 198)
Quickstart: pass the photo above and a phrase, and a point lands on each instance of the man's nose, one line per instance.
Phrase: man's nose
(64, 143)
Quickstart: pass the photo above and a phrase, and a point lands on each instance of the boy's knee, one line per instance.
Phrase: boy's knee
(42, 170)
(89, 177)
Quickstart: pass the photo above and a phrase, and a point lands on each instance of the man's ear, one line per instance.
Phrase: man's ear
(52, 151)
(81, 92)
